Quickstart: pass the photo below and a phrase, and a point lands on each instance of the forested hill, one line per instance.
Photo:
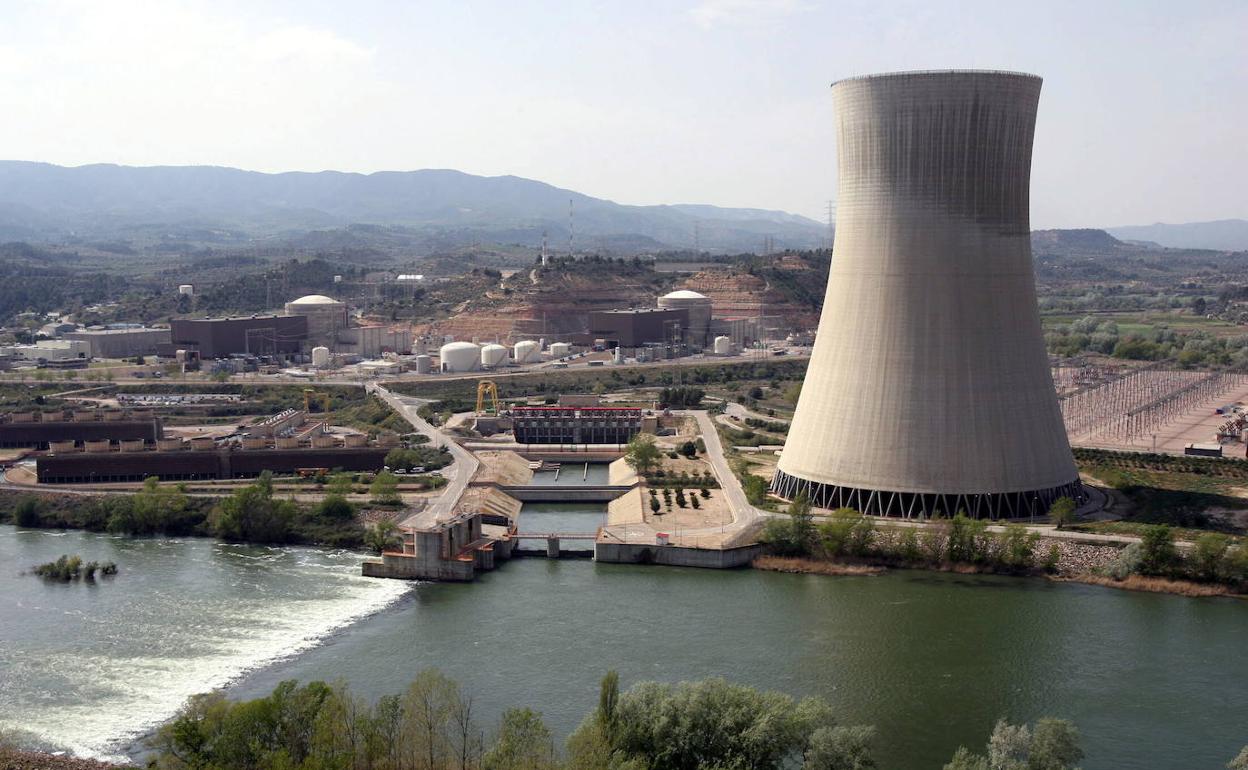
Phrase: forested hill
(43, 202)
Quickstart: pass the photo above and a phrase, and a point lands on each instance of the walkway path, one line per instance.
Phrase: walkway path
(457, 474)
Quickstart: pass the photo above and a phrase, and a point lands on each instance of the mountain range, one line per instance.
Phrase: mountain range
(44, 202)
(1220, 235)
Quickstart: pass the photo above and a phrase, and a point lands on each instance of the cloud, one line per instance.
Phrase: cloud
(711, 13)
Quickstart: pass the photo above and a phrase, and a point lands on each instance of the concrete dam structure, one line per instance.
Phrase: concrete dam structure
(929, 389)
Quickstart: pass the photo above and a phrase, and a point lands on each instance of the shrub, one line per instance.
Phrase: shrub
(1054, 556)
(1018, 551)
(1159, 556)
(1208, 557)
(689, 449)
(1062, 512)
(1127, 563)
(26, 513)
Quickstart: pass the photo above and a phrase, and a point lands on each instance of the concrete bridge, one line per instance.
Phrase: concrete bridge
(552, 540)
(567, 493)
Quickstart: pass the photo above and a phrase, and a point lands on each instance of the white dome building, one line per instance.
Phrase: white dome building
(527, 351)
(459, 357)
(699, 308)
(326, 317)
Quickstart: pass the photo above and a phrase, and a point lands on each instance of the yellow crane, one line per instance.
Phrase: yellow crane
(487, 388)
(310, 395)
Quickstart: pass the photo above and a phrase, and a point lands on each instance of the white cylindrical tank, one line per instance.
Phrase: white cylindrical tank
(526, 351)
(493, 355)
(459, 357)
(320, 356)
(187, 289)
(560, 349)
(723, 345)
(424, 364)
(619, 355)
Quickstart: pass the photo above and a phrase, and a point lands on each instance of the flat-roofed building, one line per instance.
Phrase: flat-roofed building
(257, 335)
(121, 343)
(575, 425)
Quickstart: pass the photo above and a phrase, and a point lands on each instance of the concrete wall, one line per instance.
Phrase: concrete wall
(929, 373)
(674, 556)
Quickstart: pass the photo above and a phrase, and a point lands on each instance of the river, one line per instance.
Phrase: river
(932, 660)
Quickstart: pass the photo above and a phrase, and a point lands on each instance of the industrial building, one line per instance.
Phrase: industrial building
(209, 462)
(257, 335)
(698, 308)
(928, 390)
(49, 351)
(121, 343)
(575, 424)
(636, 328)
(40, 430)
(326, 317)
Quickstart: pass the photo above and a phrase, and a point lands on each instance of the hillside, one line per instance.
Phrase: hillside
(167, 205)
(1223, 234)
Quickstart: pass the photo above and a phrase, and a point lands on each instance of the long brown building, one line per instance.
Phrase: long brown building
(190, 465)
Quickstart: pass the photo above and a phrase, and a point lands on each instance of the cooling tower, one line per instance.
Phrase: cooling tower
(928, 389)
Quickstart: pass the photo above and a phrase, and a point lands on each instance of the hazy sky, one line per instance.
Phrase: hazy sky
(1143, 117)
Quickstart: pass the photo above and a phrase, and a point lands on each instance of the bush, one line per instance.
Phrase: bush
(26, 513)
(1128, 562)
(1159, 555)
(335, 508)
(1062, 512)
(1208, 557)
(688, 449)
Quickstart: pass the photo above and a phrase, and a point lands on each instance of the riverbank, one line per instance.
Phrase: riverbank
(12, 759)
(806, 565)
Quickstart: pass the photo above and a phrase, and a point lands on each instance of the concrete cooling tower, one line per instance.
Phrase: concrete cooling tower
(928, 389)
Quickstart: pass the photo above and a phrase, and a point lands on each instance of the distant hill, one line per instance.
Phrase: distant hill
(43, 202)
(1222, 234)
(1073, 240)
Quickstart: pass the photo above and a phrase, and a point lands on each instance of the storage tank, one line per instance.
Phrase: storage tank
(320, 356)
(357, 439)
(723, 345)
(424, 364)
(202, 444)
(459, 357)
(930, 328)
(527, 351)
(698, 307)
(619, 356)
(96, 445)
(560, 349)
(325, 441)
(134, 445)
(170, 444)
(254, 442)
(286, 442)
(493, 355)
(62, 447)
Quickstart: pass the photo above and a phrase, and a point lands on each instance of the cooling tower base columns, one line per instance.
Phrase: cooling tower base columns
(916, 505)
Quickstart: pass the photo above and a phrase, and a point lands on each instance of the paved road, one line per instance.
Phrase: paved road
(744, 515)
(733, 409)
(457, 474)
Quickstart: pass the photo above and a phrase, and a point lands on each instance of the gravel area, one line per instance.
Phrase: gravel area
(11, 759)
(1076, 558)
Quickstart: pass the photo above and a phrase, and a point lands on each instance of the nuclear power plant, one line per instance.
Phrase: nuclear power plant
(929, 389)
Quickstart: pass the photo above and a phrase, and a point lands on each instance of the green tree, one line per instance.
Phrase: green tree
(26, 512)
(1208, 556)
(654, 505)
(385, 489)
(383, 536)
(840, 748)
(334, 507)
(523, 743)
(1062, 512)
(689, 449)
(642, 454)
(252, 514)
(1158, 555)
(1052, 745)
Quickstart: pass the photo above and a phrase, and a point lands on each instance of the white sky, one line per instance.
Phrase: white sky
(1143, 118)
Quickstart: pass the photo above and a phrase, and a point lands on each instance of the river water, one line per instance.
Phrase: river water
(931, 660)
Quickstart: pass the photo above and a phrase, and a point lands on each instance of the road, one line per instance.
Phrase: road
(744, 515)
(457, 474)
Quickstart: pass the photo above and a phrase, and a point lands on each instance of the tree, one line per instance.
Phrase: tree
(654, 505)
(385, 489)
(840, 748)
(689, 449)
(693, 500)
(523, 743)
(1052, 745)
(1208, 557)
(1062, 512)
(26, 512)
(681, 500)
(1158, 554)
(334, 507)
(383, 536)
(642, 455)
(252, 515)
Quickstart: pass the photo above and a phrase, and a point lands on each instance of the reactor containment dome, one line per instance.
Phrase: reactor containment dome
(928, 390)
